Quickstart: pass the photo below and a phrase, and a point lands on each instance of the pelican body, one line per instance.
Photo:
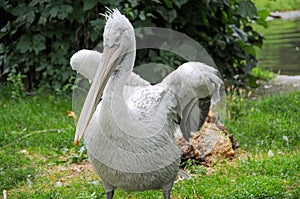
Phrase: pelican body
(128, 124)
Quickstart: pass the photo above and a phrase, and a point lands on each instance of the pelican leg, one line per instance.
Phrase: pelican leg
(167, 190)
(110, 194)
(109, 190)
(167, 194)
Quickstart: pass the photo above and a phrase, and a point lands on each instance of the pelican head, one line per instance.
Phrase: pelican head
(118, 39)
(118, 30)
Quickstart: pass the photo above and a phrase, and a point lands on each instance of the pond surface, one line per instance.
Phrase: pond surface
(281, 49)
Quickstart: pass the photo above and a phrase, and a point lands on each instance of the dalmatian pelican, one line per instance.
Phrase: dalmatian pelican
(129, 124)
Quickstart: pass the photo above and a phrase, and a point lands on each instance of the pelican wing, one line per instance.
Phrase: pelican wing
(151, 105)
(196, 86)
(133, 83)
(86, 62)
(194, 115)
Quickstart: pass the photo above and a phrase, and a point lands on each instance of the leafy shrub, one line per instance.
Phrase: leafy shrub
(236, 102)
(39, 36)
(16, 86)
(263, 74)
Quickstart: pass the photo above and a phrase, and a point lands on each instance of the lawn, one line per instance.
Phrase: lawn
(38, 159)
(278, 5)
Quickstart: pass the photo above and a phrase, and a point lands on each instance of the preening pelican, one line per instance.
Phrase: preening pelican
(128, 124)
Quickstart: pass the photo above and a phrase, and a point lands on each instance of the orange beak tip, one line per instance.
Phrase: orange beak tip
(76, 141)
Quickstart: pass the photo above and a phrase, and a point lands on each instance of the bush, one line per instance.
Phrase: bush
(39, 36)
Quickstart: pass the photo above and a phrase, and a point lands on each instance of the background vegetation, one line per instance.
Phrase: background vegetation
(38, 159)
(278, 5)
(39, 36)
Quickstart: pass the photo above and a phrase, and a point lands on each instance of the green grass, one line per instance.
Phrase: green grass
(278, 5)
(264, 123)
(38, 160)
(49, 132)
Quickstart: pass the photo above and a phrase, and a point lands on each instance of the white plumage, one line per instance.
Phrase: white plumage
(129, 134)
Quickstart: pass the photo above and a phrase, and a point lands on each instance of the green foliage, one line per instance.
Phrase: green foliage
(278, 5)
(39, 37)
(223, 27)
(236, 101)
(263, 74)
(15, 86)
(80, 156)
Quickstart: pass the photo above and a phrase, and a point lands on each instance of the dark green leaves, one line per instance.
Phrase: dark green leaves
(30, 43)
(60, 11)
(262, 16)
(24, 44)
(179, 3)
(246, 9)
(38, 37)
(38, 43)
(167, 15)
(238, 33)
(88, 5)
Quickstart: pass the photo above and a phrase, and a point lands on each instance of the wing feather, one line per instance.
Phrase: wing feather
(194, 115)
(153, 106)
(86, 62)
(196, 86)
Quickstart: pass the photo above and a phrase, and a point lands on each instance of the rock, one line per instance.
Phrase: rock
(284, 15)
(280, 84)
(209, 145)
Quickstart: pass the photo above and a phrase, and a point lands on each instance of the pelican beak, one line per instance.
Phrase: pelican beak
(108, 64)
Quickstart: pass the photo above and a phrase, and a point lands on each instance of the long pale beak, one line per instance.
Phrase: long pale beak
(104, 71)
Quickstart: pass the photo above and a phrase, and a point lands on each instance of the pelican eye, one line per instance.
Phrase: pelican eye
(117, 40)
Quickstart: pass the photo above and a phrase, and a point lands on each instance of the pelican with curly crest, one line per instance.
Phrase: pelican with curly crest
(129, 124)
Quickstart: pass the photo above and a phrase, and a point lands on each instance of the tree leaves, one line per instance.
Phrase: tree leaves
(29, 41)
(246, 9)
(88, 5)
(238, 33)
(38, 43)
(60, 11)
(35, 43)
(24, 44)
(168, 15)
(262, 17)
(179, 3)
(40, 36)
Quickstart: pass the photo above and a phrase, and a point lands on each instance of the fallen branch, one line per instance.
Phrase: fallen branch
(32, 133)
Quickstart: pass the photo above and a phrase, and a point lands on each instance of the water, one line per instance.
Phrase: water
(281, 50)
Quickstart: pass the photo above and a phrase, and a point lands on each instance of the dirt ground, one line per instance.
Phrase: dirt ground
(280, 84)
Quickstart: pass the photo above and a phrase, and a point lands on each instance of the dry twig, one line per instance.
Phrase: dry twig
(33, 133)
